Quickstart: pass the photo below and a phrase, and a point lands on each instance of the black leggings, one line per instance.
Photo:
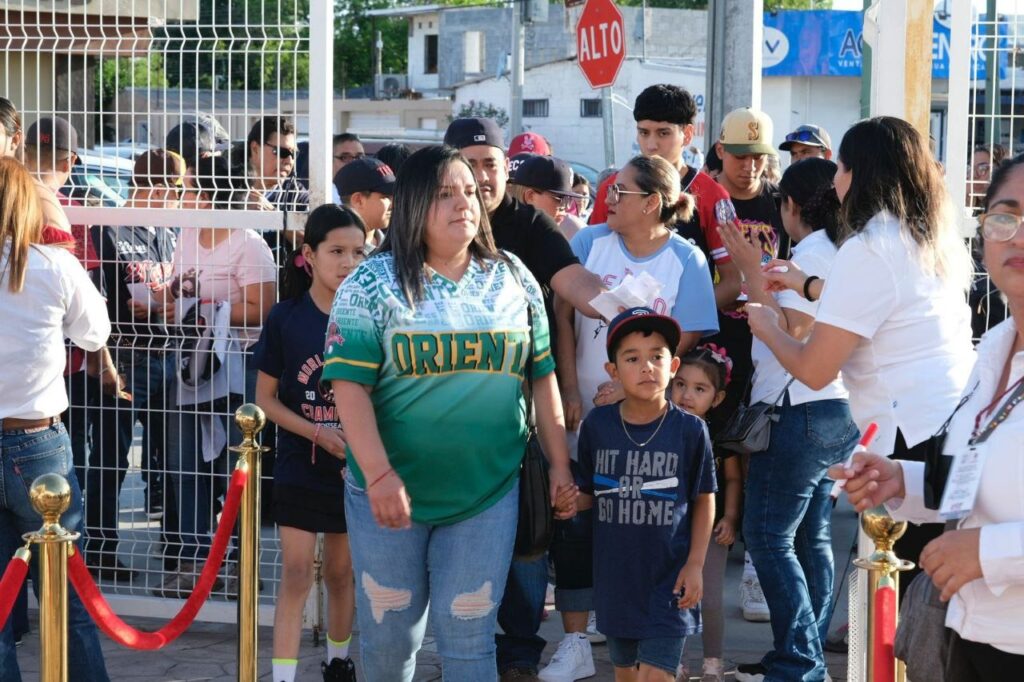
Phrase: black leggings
(976, 662)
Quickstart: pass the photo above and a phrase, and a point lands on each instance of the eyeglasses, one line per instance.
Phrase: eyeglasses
(564, 203)
(282, 152)
(346, 157)
(980, 171)
(615, 194)
(999, 227)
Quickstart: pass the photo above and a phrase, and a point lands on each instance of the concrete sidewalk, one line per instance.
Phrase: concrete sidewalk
(208, 651)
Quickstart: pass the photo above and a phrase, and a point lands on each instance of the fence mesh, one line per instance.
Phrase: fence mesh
(226, 85)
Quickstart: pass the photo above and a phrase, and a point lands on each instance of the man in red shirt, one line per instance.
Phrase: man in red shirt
(664, 117)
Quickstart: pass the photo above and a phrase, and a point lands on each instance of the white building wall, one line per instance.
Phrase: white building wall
(420, 26)
(831, 102)
(581, 139)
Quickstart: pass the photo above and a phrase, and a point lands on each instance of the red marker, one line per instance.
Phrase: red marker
(862, 446)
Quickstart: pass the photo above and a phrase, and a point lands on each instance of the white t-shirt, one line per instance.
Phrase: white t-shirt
(814, 254)
(909, 368)
(221, 273)
(58, 301)
(687, 295)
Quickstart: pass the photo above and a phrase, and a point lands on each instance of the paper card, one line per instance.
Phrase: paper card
(963, 482)
(632, 292)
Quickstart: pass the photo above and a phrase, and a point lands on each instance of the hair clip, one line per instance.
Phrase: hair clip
(302, 263)
(721, 356)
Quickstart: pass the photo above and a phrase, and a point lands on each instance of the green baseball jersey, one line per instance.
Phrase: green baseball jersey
(446, 375)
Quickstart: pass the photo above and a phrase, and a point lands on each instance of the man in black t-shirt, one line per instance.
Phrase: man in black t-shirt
(534, 238)
(136, 264)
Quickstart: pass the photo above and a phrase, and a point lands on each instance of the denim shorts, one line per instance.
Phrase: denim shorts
(661, 652)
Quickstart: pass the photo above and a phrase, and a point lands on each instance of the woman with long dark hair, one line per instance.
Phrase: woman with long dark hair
(787, 515)
(428, 345)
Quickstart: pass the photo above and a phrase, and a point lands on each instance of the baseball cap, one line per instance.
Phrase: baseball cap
(365, 174)
(747, 131)
(158, 167)
(191, 139)
(466, 132)
(529, 142)
(642, 320)
(546, 173)
(514, 162)
(808, 134)
(54, 133)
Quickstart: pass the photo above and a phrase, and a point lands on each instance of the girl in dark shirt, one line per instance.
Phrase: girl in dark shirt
(308, 488)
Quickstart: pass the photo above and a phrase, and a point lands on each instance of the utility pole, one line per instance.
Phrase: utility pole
(518, 74)
(735, 40)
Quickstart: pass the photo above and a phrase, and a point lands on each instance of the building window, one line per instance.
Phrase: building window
(430, 54)
(535, 108)
(473, 47)
(590, 108)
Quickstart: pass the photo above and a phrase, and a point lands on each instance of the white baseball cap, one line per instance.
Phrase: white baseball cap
(747, 131)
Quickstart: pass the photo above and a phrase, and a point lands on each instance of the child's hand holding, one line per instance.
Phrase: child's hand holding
(563, 492)
(725, 531)
(690, 584)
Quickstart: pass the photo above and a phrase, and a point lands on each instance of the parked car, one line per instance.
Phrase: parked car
(100, 180)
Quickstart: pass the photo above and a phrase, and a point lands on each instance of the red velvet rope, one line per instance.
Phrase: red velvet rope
(10, 586)
(126, 635)
(885, 633)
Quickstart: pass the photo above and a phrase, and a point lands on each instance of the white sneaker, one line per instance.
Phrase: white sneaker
(593, 636)
(714, 670)
(755, 608)
(682, 673)
(572, 661)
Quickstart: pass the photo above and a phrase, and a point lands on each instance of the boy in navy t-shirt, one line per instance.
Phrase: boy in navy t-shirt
(650, 468)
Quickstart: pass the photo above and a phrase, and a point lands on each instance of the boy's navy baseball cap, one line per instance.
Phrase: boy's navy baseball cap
(366, 174)
(642, 320)
(546, 173)
(466, 132)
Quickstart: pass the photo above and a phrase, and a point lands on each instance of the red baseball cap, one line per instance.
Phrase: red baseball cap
(530, 143)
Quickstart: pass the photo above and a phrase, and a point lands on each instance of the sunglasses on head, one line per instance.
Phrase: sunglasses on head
(803, 136)
(281, 152)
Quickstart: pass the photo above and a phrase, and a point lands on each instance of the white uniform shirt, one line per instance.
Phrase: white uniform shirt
(814, 254)
(58, 301)
(915, 354)
(991, 609)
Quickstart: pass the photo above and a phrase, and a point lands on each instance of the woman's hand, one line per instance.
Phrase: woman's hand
(572, 408)
(139, 309)
(389, 502)
(871, 480)
(333, 441)
(745, 255)
(564, 492)
(952, 560)
(609, 393)
(780, 275)
(763, 320)
(724, 531)
(690, 583)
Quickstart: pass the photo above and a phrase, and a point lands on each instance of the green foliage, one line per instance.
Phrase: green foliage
(474, 109)
(115, 75)
(354, 38)
(242, 45)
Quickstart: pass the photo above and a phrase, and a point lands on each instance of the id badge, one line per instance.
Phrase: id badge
(963, 482)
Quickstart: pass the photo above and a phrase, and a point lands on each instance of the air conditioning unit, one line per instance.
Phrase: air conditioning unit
(391, 85)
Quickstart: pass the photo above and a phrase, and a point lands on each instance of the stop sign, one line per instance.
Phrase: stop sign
(600, 42)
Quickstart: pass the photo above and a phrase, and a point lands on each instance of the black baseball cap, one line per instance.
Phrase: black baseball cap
(365, 174)
(52, 133)
(546, 173)
(808, 134)
(514, 162)
(191, 139)
(642, 320)
(466, 132)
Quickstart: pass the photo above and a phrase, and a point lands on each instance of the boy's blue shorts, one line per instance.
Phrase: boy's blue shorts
(662, 653)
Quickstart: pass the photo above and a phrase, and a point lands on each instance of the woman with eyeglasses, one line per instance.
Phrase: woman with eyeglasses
(893, 314)
(985, 160)
(979, 567)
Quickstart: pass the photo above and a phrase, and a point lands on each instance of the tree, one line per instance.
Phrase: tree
(354, 37)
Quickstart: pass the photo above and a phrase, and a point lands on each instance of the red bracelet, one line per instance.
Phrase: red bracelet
(379, 478)
(316, 434)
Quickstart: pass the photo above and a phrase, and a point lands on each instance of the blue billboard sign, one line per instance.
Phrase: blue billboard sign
(829, 43)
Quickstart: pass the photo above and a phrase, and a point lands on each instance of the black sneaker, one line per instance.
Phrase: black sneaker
(340, 670)
(750, 672)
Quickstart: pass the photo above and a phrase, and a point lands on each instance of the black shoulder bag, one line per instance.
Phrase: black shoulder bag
(749, 430)
(536, 518)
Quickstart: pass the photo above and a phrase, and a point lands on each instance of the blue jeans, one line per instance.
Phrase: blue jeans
(457, 571)
(25, 455)
(522, 604)
(788, 532)
(148, 378)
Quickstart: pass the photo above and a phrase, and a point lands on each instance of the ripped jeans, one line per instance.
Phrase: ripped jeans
(457, 571)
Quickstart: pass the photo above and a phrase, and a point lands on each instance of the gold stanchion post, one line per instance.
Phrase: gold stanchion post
(884, 531)
(250, 420)
(50, 495)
